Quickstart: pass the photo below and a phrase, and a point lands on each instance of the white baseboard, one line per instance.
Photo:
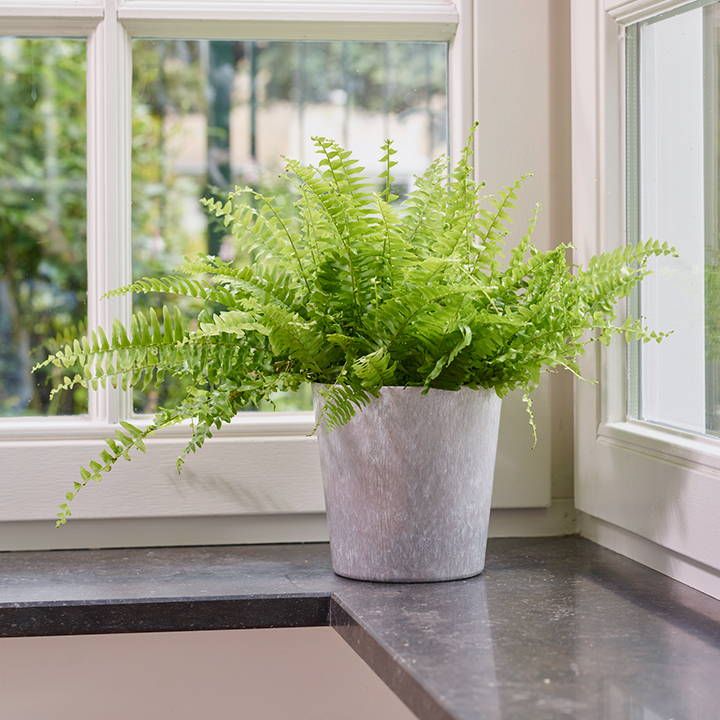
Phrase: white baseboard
(558, 519)
(677, 566)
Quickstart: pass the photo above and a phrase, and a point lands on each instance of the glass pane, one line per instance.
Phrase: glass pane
(42, 216)
(673, 173)
(212, 114)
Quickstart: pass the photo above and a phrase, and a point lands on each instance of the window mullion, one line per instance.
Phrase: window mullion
(108, 158)
(461, 106)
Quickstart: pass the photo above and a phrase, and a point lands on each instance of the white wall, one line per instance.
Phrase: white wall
(279, 674)
(523, 105)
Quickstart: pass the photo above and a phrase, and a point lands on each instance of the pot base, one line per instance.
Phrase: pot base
(413, 581)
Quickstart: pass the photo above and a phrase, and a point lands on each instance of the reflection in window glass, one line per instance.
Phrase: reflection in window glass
(42, 216)
(208, 115)
(673, 196)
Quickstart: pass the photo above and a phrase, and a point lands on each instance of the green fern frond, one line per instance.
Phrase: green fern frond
(386, 175)
(233, 322)
(129, 439)
(345, 287)
(339, 403)
(375, 369)
(177, 285)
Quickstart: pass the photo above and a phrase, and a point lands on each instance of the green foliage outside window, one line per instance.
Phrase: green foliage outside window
(42, 215)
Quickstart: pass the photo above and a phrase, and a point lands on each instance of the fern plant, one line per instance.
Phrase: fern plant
(354, 291)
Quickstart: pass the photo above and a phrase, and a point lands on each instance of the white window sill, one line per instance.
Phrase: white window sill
(697, 451)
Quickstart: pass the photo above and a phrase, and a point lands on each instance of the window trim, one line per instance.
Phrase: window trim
(626, 12)
(48, 17)
(288, 20)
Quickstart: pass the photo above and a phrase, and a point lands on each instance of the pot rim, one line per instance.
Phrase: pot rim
(417, 387)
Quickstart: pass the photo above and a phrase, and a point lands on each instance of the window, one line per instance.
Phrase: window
(133, 109)
(673, 189)
(645, 158)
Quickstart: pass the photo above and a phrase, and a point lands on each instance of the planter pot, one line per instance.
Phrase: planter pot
(408, 483)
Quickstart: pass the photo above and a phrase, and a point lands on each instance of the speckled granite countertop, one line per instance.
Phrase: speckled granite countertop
(555, 627)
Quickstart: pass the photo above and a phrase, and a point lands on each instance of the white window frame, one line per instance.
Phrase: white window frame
(268, 455)
(648, 491)
(264, 467)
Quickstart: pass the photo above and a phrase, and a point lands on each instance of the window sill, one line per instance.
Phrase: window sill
(250, 424)
(695, 451)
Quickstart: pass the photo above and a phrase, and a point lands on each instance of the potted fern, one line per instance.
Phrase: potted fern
(410, 321)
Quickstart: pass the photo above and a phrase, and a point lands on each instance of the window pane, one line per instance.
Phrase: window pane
(212, 114)
(42, 216)
(674, 173)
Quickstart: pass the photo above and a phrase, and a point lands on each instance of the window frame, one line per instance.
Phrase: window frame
(43, 448)
(649, 491)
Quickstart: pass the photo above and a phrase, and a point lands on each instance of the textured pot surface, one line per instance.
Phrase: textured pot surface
(408, 483)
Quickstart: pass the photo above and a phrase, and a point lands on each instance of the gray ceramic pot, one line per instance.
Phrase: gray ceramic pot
(408, 483)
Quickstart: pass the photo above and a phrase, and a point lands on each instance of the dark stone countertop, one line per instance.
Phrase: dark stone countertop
(555, 627)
